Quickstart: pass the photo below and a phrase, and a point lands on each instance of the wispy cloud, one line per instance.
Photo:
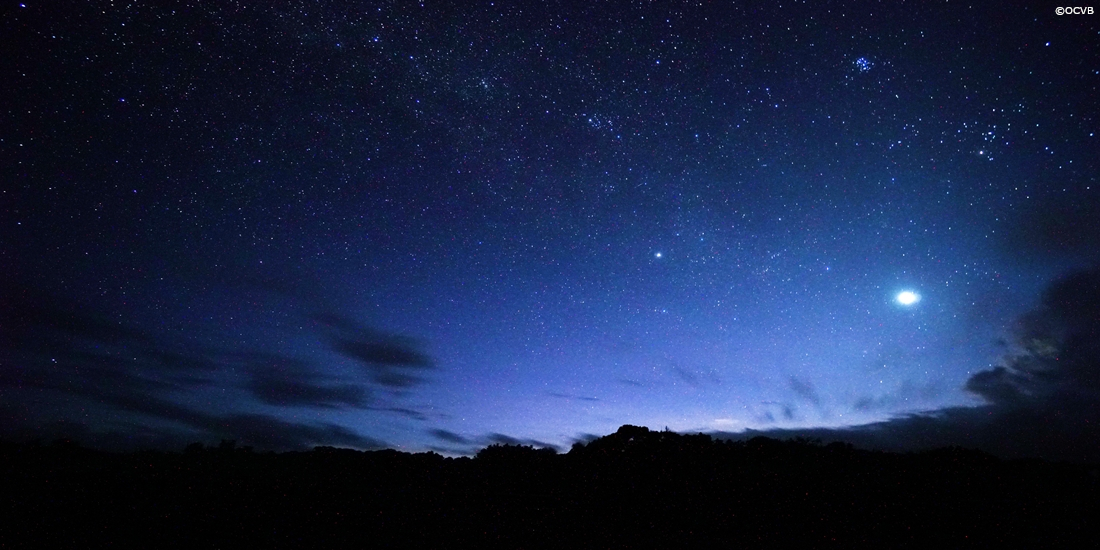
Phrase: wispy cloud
(1043, 401)
(449, 437)
(54, 349)
(572, 397)
(392, 361)
(805, 390)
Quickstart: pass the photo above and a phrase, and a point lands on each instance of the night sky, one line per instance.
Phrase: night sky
(435, 227)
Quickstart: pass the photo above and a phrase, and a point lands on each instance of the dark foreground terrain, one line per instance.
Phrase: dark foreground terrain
(634, 488)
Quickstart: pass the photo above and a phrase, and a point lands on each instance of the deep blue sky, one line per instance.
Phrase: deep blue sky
(424, 226)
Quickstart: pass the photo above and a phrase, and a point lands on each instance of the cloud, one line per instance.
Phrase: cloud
(692, 377)
(501, 439)
(260, 430)
(34, 321)
(805, 390)
(285, 381)
(1058, 350)
(391, 361)
(687, 376)
(908, 394)
(404, 411)
(54, 344)
(772, 408)
(1043, 401)
(573, 397)
(456, 444)
(186, 424)
(1055, 229)
(60, 358)
(585, 438)
(273, 433)
(292, 392)
(449, 437)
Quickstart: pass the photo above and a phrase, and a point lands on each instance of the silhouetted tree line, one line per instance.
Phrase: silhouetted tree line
(633, 488)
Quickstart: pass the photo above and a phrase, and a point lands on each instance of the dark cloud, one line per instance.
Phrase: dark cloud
(293, 392)
(259, 430)
(451, 451)
(1044, 401)
(693, 377)
(50, 343)
(285, 381)
(687, 376)
(449, 437)
(1058, 350)
(273, 433)
(805, 390)
(58, 354)
(393, 378)
(585, 438)
(36, 321)
(501, 439)
(159, 423)
(1074, 304)
(909, 394)
(999, 385)
(866, 403)
(404, 411)
(391, 361)
(573, 397)
(376, 352)
(772, 408)
(1057, 229)
(456, 444)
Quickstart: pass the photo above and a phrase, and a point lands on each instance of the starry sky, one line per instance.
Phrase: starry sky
(429, 226)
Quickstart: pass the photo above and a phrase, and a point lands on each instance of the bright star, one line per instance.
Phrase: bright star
(908, 297)
(658, 255)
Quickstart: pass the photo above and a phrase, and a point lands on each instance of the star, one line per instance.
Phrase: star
(908, 297)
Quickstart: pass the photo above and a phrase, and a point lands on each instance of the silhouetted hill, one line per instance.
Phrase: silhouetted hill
(633, 488)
